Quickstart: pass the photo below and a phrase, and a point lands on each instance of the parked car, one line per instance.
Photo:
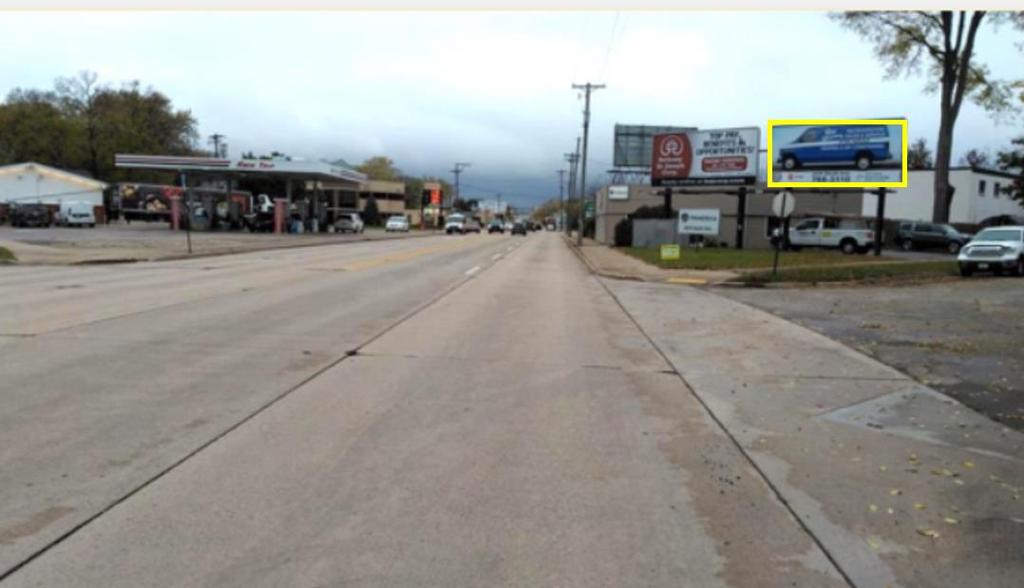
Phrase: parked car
(495, 226)
(76, 214)
(848, 235)
(995, 249)
(914, 235)
(349, 222)
(856, 145)
(30, 215)
(456, 223)
(472, 226)
(519, 228)
(397, 223)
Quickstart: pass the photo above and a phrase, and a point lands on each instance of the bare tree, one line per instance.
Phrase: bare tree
(919, 156)
(945, 42)
(77, 95)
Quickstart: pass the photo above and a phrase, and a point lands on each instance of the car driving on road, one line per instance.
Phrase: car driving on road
(995, 249)
(398, 223)
(495, 226)
(519, 228)
(913, 235)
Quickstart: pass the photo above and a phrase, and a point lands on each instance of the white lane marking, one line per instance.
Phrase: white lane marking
(473, 270)
(496, 257)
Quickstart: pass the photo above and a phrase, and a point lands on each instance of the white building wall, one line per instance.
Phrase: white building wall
(32, 186)
(915, 202)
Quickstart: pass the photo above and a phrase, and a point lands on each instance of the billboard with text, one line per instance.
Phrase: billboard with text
(708, 157)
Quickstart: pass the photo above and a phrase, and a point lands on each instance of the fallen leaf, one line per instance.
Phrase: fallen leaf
(958, 481)
(883, 468)
(873, 508)
(890, 510)
(920, 505)
(874, 544)
(895, 492)
(968, 464)
(951, 520)
(928, 533)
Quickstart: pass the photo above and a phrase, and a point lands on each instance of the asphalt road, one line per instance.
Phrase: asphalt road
(464, 411)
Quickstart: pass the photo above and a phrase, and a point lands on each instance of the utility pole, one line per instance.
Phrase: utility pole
(573, 158)
(561, 202)
(215, 139)
(459, 166)
(587, 88)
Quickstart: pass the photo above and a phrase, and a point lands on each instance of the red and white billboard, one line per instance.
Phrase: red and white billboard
(715, 157)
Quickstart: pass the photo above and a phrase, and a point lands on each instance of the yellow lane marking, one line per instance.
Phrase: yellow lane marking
(694, 281)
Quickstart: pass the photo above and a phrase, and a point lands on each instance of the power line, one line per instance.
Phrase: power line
(611, 43)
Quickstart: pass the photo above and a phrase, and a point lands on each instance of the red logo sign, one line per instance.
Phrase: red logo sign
(672, 156)
(435, 197)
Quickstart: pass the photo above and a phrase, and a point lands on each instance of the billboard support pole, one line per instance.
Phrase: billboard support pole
(668, 203)
(879, 221)
(741, 216)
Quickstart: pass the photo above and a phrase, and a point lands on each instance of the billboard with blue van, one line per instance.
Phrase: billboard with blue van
(868, 153)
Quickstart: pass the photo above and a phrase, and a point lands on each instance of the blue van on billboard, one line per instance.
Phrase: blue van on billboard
(858, 145)
(837, 153)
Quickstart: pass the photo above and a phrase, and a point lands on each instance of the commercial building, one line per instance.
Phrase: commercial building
(390, 196)
(32, 182)
(979, 195)
(614, 203)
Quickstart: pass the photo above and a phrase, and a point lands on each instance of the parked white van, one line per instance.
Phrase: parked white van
(76, 214)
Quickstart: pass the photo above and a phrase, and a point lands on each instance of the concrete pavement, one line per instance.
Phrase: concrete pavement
(502, 418)
(111, 375)
(518, 431)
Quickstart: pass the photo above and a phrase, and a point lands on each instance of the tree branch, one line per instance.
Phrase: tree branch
(947, 29)
(965, 61)
(960, 30)
(916, 36)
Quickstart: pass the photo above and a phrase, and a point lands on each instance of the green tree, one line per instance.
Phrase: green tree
(945, 42)
(371, 214)
(32, 128)
(919, 156)
(976, 158)
(380, 168)
(1012, 160)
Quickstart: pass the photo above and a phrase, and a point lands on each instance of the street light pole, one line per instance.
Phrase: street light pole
(561, 202)
(587, 88)
(459, 166)
(572, 158)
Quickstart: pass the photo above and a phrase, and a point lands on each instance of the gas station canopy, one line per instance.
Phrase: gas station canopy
(284, 168)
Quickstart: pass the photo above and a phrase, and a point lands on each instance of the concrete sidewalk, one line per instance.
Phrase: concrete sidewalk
(899, 484)
(610, 263)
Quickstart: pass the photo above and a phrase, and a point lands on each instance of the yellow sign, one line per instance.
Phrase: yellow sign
(670, 252)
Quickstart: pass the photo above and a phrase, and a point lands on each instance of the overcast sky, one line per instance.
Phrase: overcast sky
(490, 88)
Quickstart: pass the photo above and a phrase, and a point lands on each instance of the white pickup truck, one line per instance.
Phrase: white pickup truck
(848, 235)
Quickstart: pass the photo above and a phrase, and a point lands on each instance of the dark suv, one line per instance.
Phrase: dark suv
(30, 215)
(930, 235)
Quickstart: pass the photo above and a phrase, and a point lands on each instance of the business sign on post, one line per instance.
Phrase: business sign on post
(699, 221)
(618, 192)
(711, 157)
(837, 153)
(670, 252)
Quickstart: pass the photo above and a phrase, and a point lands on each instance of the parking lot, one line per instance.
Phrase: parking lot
(962, 337)
(151, 241)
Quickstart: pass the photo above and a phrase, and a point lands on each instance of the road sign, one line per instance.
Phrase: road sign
(699, 221)
(670, 252)
(589, 210)
(712, 157)
(783, 204)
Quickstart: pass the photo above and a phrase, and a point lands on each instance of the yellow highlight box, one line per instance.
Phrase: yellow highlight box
(832, 122)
